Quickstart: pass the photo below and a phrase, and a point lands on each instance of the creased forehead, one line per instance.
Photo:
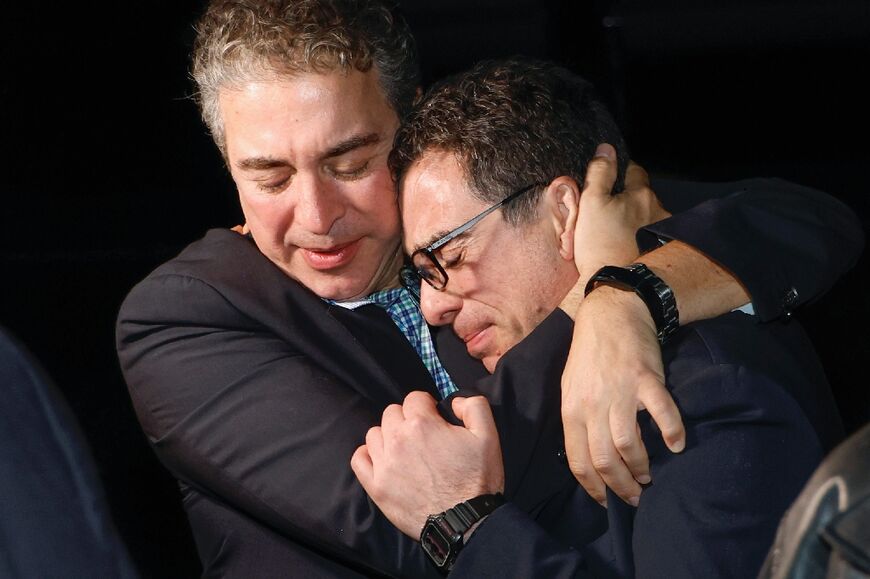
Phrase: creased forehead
(435, 196)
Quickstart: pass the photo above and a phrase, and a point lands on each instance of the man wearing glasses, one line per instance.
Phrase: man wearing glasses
(257, 363)
(494, 234)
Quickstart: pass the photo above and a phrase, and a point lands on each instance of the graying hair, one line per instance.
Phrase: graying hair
(239, 41)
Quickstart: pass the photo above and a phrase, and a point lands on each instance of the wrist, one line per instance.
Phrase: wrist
(623, 300)
(573, 299)
(655, 294)
(444, 535)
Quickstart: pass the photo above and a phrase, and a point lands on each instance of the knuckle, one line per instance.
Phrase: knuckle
(478, 400)
(602, 464)
(623, 442)
(672, 430)
(579, 469)
(414, 426)
(572, 409)
(391, 409)
(415, 396)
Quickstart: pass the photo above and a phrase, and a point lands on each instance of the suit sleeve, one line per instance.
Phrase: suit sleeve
(509, 543)
(711, 510)
(787, 244)
(519, 539)
(236, 413)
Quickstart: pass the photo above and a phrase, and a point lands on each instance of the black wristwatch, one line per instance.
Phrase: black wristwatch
(655, 293)
(442, 536)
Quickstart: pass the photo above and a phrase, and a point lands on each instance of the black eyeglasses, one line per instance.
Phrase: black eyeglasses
(424, 264)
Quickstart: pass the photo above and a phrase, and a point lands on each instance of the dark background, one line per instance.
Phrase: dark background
(107, 170)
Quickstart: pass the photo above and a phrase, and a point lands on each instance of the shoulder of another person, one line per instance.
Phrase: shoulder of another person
(716, 364)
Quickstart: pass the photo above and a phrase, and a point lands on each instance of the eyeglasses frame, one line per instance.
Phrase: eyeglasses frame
(409, 269)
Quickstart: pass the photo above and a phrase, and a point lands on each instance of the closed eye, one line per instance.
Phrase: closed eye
(351, 173)
(453, 259)
(274, 186)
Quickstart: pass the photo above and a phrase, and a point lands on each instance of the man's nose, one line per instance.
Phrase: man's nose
(439, 307)
(319, 205)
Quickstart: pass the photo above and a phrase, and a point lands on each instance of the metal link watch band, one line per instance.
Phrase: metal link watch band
(655, 293)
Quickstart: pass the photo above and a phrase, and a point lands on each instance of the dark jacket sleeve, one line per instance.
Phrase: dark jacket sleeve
(788, 244)
(523, 538)
(509, 543)
(235, 411)
(753, 438)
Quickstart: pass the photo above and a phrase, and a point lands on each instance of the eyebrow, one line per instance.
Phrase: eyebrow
(441, 234)
(261, 163)
(355, 142)
(352, 143)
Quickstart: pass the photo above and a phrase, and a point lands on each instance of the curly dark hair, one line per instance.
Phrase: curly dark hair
(511, 123)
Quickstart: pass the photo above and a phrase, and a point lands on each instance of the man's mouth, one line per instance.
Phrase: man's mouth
(326, 258)
(476, 342)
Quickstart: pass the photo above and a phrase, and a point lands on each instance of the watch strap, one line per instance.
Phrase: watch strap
(655, 293)
(466, 513)
(450, 526)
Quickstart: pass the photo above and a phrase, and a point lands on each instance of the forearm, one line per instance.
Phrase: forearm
(771, 242)
(785, 243)
(701, 287)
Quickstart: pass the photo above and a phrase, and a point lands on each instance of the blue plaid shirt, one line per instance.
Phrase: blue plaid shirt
(405, 313)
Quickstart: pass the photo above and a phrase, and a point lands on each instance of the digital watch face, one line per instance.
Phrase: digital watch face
(437, 539)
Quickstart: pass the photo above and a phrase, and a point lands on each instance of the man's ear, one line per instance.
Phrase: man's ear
(563, 203)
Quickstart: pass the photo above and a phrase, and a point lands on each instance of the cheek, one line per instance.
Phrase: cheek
(266, 216)
(378, 206)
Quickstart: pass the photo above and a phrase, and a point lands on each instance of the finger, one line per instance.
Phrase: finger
(375, 443)
(601, 172)
(392, 419)
(476, 414)
(628, 443)
(580, 463)
(666, 415)
(638, 188)
(636, 177)
(608, 463)
(649, 474)
(362, 466)
(419, 403)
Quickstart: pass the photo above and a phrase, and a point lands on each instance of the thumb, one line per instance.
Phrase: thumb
(475, 414)
(601, 172)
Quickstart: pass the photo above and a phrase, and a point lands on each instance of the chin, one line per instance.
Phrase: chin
(490, 362)
(335, 288)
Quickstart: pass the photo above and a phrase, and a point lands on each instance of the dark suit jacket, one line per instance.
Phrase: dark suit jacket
(759, 419)
(255, 393)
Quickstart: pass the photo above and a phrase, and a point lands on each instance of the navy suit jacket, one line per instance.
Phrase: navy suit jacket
(759, 418)
(254, 392)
